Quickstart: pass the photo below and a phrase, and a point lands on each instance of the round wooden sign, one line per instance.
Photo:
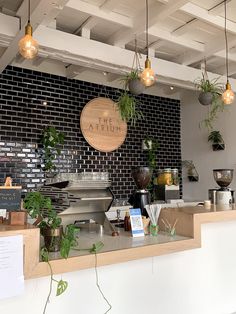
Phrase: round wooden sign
(102, 126)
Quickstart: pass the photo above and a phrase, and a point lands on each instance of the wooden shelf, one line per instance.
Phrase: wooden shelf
(123, 248)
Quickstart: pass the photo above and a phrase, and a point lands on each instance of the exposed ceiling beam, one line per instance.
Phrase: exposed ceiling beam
(219, 8)
(211, 48)
(108, 5)
(181, 41)
(184, 28)
(156, 15)
(93, 10)
(38, 14)
(203, 15)
(97, 55)
(85, 28)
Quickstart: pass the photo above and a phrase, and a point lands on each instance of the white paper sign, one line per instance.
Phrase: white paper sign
(136, 222)
(11, 266)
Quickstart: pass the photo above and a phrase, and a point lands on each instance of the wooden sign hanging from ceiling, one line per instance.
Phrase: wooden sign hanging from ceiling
(102, 126)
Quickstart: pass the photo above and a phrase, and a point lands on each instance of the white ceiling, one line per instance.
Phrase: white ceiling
(181, 33)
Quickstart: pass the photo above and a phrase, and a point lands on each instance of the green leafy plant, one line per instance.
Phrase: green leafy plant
(205, 85)
(152, 147)
(215, 137)
(215, 88)
(68, 240)
(129, 108)
(40, 208)
(132, 75)
(51, 140)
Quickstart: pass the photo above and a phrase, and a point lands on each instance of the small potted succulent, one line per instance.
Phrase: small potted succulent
(217, 140)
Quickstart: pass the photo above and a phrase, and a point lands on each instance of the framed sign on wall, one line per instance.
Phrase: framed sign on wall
(102, 126)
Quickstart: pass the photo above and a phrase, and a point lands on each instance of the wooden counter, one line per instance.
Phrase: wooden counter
(123, 248)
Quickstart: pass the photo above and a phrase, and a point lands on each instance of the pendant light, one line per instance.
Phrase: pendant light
(228, 95)
(148, 75)
(28, 46)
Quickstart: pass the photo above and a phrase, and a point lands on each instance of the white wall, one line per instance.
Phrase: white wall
(191, 282)
(196, 147)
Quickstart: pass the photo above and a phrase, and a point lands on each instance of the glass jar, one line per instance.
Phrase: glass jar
(165, 177)
(175, 176)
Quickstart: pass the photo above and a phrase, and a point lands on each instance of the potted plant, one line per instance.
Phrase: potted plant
(39, 207)
(151, 145)
(129, 108)
(210, 91)
(191, 170)
(133, 82)
(217, 140)
(51, 140)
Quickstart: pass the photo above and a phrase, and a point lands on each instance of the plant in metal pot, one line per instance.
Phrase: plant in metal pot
(39, 207)
(129, 108)
(192, 173)
(51, 140)
(217, 140)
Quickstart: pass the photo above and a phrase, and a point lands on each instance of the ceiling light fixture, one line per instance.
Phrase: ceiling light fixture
(28, 46)
(148, 75)
(228, 95)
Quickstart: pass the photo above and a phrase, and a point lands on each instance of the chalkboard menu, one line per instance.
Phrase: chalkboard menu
(10, 198)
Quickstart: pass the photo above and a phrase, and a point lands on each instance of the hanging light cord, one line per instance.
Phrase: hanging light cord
(147, 26)
(29, 11)
(226, 44)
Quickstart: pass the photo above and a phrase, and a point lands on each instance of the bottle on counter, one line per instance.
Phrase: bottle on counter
(127, 223)
(175, 176)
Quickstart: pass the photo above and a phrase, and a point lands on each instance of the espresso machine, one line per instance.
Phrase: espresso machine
(224, 195)
(141, 197)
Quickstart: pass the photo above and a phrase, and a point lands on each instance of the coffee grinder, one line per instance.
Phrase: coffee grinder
(224, 195)
(141, 197)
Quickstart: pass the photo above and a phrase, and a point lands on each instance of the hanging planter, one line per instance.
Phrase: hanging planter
(132, 80)
(135, 86)
(217, 140)
(205, 98)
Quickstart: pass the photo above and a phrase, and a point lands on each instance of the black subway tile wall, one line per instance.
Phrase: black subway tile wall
(23, 117)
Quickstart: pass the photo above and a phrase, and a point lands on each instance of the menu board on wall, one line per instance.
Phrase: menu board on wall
(102, 126)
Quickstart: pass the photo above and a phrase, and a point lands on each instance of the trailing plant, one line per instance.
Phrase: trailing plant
(68, 240)
(152, 147)
(129, 108)
(51, 140)
(216, 106)
(61, 284)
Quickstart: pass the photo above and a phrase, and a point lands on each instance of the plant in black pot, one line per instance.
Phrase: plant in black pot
(217, 140)
(39, 207)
